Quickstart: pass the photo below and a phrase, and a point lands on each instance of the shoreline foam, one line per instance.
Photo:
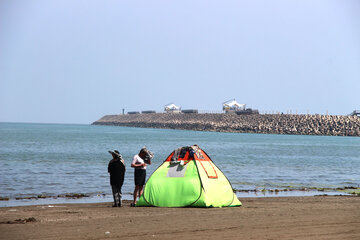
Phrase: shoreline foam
(240, 193)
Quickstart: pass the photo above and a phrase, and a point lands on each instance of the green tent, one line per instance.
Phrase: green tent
(188, 178)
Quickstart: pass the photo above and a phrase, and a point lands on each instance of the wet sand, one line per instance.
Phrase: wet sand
(316, 217)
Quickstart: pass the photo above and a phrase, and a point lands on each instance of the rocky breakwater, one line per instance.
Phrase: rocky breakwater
(259, 123)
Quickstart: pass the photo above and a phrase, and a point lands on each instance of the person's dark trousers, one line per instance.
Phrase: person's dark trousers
(116, 190)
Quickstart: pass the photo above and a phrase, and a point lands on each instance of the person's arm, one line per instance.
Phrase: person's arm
(123, 163)
(134, 163)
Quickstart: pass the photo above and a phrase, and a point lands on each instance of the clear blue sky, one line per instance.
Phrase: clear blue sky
(75, 61)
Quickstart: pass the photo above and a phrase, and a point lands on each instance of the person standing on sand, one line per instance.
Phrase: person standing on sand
(139, 163)
(116, 168)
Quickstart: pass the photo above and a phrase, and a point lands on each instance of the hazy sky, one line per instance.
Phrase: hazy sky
(75, 61)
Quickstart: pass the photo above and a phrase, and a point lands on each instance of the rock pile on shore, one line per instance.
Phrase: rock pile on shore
(258, 123)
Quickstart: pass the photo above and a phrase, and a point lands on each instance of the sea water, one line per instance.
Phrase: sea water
(58, 159)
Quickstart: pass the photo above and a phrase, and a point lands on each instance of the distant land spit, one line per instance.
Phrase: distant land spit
(330, 125)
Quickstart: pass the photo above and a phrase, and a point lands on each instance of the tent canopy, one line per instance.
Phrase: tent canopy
(188, 178)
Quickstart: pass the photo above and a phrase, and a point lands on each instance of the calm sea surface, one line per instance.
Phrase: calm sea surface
(54, 159)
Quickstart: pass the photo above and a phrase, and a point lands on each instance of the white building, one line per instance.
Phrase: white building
(231, 106)
(172, 108)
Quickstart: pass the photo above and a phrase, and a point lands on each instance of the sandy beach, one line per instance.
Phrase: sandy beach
(317, 217)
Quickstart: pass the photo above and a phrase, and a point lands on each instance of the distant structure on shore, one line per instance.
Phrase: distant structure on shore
(148, 111)
(231, 106)
(355, 113)
(247, 111)
(228, 107)
(172, 108)
(190, 111)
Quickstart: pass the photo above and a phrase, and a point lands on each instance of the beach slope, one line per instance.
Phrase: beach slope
(319, 217)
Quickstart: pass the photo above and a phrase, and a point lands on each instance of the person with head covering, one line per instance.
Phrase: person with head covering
(139, 163)
(116, 169)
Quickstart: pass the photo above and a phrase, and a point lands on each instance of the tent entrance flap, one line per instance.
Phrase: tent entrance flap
(209, 169)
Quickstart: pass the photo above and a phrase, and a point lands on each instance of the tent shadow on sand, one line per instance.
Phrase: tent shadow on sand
(188, 178)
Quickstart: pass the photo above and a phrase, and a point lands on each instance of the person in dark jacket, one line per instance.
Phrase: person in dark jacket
(116, 168)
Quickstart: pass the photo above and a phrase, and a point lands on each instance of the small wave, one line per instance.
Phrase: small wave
(350, 183)
(54, 184)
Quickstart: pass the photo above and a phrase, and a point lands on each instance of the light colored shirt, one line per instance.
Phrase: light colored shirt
(138, 160)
